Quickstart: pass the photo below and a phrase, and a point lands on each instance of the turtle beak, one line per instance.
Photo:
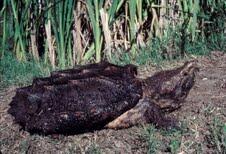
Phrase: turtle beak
(194, 70)
(191, 68)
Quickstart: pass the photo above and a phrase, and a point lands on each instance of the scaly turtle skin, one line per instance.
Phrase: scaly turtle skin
(163, 92)
(168, 89)
(100, 95)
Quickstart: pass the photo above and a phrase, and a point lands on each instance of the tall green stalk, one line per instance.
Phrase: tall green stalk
(139, 10)
(93, 11)
(135, 26)
(4, 26)
(97, 32)
(116, 4)
(62, 18)
(20, 44)
(132, 24)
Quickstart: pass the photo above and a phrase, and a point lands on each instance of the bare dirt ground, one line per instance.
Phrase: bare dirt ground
(201, 117)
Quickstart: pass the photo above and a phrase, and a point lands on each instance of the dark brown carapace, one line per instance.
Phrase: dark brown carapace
(76, 100)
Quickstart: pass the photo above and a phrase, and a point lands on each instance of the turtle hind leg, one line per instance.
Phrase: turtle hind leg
(144, 112)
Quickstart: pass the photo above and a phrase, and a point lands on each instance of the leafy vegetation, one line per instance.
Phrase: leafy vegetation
(65, 33)
(93, 149)
(14, 72)
(151, 138)
(217, 135)
(175, 137)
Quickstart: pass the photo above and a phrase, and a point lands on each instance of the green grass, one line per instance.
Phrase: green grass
(169, 48)
(14, 72)
(175, 137)
(93, 149)
(217, 135)
(169, 140)
(150, 135)
(172, 140)
(150, 53)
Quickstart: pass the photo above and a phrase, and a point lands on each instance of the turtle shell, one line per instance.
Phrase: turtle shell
(76, 102)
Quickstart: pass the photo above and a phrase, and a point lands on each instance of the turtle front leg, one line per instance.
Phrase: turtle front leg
(145, 111)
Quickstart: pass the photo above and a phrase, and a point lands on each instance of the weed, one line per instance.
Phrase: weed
(217, 135)
(175, 137)
(13, 72)
(217, 42)
(174, 145)
(151, 138)
(24, 146)
(93, 149)
(169, 48)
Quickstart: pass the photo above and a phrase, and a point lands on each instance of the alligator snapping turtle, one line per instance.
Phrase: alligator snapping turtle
(100, 95)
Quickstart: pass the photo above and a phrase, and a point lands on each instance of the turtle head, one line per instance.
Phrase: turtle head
(170, 88)
(190, 68)
(187, 79)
